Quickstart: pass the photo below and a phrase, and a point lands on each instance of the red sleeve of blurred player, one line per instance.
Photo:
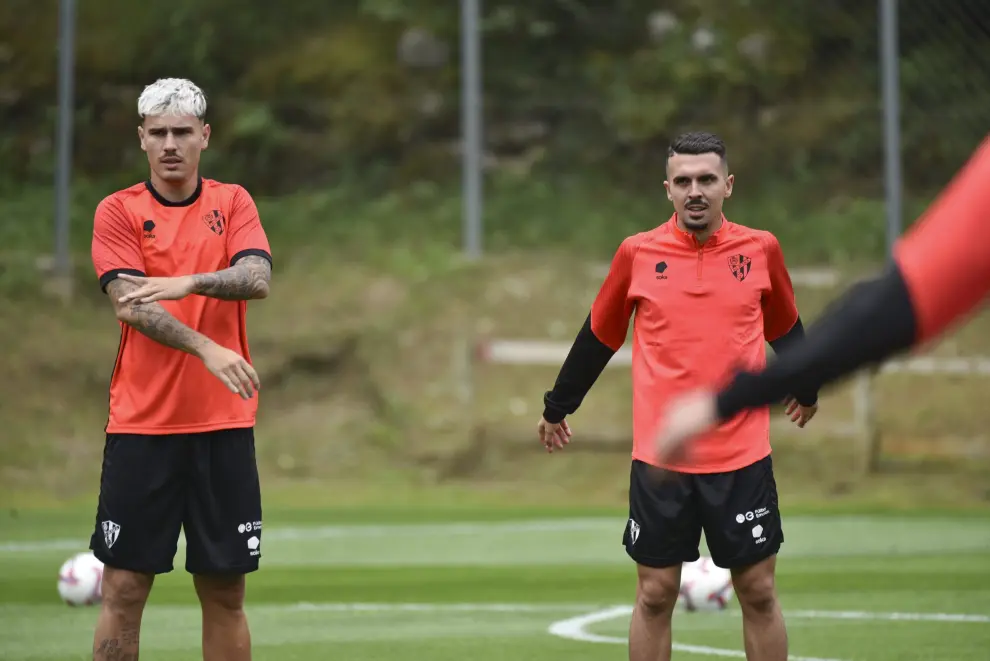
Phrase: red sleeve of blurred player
(612, 308)
(246, 235)
(779, 307)
(945, 258)
(942, 272)
(116, 247)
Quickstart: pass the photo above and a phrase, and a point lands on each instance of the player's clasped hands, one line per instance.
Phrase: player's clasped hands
(156, 289)
(235, 372)
(554, 435)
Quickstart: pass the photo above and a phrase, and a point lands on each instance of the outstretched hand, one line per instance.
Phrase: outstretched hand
(156, 289)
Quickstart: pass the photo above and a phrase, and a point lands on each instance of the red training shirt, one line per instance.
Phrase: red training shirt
(945, 258)
(156, 389)
(701, 312)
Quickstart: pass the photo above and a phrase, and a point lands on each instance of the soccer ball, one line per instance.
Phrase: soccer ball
(80, 580)
(705, 586)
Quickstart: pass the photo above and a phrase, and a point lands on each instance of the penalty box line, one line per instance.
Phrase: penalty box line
(597, 612)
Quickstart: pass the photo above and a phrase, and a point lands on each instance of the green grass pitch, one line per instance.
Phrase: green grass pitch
(443, 587)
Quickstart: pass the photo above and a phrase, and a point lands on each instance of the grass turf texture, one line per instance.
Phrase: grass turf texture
(485, 583)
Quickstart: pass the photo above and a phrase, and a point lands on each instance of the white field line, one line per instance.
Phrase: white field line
(574, 629)
(344, 531)
(606, 613)
(890, 617)
(429, 608)
(601, 612)
(351, 531)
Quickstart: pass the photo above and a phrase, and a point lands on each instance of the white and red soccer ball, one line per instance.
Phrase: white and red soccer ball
(705, 586)
(80, 580)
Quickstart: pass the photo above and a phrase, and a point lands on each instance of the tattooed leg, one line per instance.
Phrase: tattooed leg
(118, 629)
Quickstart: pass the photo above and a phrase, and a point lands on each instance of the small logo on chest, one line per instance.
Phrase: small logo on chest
(740, 265)
(215, 221)
(661, 267)
(149, 229)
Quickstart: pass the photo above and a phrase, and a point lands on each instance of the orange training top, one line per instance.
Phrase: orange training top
(701, 312)
(156, 389)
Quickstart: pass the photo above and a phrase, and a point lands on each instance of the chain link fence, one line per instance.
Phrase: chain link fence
(945, 86)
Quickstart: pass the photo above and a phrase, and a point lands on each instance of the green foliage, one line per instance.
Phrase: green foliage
(305, 93)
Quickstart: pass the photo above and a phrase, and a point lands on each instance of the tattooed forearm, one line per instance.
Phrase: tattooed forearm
(154, 321)
(249, 278)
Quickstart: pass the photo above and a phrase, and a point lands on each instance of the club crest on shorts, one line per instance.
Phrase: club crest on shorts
(215, 221)
(740, 266)
(633, 531)
(111, 531)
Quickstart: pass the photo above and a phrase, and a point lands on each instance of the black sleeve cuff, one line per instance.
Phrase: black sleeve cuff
(110, 276)
(258, 252)
(551, 414)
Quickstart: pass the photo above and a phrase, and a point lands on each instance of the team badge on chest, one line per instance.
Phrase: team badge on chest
(740, 266)
(215, 221)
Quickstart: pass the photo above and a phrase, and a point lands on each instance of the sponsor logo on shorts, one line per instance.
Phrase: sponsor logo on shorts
(751, 515)
(248, 526)
(111, 531)
(758, 534)
(253, 545)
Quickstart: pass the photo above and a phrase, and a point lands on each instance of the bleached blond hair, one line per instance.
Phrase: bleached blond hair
(173, 97)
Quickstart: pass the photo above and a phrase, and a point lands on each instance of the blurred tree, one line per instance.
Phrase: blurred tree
(302, 92)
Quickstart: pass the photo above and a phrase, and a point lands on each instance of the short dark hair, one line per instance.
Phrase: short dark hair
(697, 142)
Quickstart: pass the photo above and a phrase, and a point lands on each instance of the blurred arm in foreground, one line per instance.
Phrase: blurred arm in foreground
(940, 273)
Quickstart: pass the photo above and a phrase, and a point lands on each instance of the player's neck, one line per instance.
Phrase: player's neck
(175, 191)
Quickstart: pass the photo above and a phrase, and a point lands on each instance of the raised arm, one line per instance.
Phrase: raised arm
(154, 321)
(248, 279)
(116, 254)
(941, 272)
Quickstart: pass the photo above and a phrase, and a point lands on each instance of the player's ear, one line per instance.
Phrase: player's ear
(666, 187)
(206, 135)
(141, 138)
(731, 179)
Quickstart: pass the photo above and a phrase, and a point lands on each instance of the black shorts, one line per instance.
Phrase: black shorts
(153, 485)
(737, 511)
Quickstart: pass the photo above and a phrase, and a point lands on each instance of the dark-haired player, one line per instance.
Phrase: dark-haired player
(940, 273)
(707, 294)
